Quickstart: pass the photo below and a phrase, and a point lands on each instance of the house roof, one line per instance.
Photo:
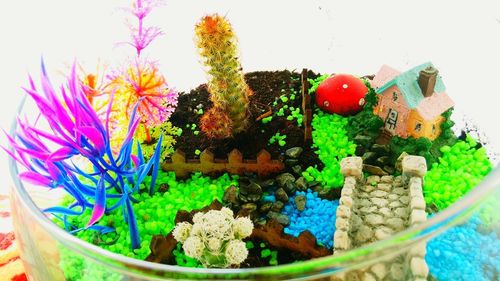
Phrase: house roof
(407, 82)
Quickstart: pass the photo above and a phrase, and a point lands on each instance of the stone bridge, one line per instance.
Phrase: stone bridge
(375, 208)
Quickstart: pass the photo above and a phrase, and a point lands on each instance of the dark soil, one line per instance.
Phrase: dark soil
(267, 87)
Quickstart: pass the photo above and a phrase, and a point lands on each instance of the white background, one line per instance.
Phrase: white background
(462, 38)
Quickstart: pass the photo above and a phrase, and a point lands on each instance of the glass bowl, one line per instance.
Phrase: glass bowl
(327, 35)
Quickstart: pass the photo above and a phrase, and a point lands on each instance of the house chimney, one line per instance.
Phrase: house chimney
(427, 80)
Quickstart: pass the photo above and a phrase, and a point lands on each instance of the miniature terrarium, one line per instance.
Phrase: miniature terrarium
(264, 175)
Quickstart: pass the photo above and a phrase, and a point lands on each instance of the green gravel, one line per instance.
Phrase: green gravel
(460, 169)
(155, 214)
(332, 144)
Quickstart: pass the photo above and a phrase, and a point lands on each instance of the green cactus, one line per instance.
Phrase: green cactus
(216, 42)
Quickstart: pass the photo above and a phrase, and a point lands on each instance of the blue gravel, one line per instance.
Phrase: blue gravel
(462, 253)
(318, 217)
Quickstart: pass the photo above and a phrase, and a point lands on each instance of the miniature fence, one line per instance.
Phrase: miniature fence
(263, 165)
(306, 108)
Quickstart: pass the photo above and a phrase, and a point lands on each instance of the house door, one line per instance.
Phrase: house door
(391, 120)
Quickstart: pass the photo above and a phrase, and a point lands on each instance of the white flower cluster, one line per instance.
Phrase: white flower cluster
(214, 238)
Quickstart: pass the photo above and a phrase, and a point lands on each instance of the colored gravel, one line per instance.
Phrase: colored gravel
(461, 168)
(463, 253)
(155, 215)
(318, 217)
(332, 143)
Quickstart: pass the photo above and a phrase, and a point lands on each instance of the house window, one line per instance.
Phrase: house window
(394, 96)
(418, 127)
(391, 120)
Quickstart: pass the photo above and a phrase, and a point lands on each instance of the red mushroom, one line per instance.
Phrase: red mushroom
(342, 94)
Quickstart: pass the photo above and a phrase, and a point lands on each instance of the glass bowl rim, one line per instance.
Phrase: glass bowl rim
(431, 227)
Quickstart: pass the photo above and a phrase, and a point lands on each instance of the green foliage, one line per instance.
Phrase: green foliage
(229, 92)
(460, 169)
(366, 123)
(333, 144)
(155, 214)
(278, 138)
(169, 133)
(314, 83)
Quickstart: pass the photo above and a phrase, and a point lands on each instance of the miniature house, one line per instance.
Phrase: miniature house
(411, 103)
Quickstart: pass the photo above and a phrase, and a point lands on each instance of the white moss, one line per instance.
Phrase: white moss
(193, 247)
(236, 252)
(215, 234)
(242, 227)
(182, 231)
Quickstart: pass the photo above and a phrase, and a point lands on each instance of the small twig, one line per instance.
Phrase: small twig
(268, 113)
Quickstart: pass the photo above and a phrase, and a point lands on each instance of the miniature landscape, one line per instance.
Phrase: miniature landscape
(251, 169)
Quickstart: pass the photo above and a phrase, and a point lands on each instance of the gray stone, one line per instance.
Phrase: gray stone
(363, 235)
(380, 202)
(350, 181)
(254, 198)
(346, 191)
(368, 277)
(379, 193)
(363, 203)
(398, 181)
(374, 170)
(268, 183)
(312, 184)
(251, 188)
(341, 240)
(399, 191)
(369, 156)
(374, 219)
(368, 187)
(355, 221)
(395, 223)
(346, 201)
(248, 209)
(382, 161)
(294, 152)
(383, 233)
(282, 179)
(389, 169)
(405, 200)
(277, 206)
(386, 212)
(300, 202)
(368, 210)
(384, 187)
(379, 270)
(402, 212)
(372, 180)
(399, 161)
(352, 167)
(281, 218)
(419, 267)
(301, 184)
(414, 166)
(393, 197)
(395, 204)
(343, 212)
(417, 216)
(265, 207)
(231, 195)
(297, 169)
(291, 162)
(362, 139)
(387, 179)
(281, 195)
(290, 188)
(397, 271)
(342, 224)
(417, 203)
(381, 148)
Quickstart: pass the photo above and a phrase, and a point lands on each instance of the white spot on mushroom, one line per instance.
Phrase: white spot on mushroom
(326, 103)
(361, 101)
(345, 86)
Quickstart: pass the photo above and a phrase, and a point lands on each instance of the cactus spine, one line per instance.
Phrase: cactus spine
(229, 92)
